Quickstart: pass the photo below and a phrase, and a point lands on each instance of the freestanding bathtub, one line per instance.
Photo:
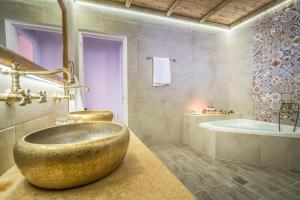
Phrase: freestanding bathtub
(249, 141)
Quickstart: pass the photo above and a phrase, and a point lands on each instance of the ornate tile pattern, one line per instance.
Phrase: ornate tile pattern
(276, 66)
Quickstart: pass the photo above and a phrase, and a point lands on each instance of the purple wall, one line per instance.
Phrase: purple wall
(103, 75)
(47, 47)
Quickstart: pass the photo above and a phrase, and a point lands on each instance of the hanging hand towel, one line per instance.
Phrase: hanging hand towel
(161, 72)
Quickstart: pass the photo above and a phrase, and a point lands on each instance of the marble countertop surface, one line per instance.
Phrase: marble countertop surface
(141, 176)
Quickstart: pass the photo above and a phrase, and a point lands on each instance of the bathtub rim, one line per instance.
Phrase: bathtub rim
(212, 126)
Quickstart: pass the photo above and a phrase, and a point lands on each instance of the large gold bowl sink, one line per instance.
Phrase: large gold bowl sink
(71, 155)
(91, 115)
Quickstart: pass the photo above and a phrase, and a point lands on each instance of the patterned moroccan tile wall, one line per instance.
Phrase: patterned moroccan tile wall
(276, 63)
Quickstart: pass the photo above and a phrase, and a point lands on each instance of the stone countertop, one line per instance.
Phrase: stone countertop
(141, 176)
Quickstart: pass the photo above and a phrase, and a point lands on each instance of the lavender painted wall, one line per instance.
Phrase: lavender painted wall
(47, 47)
(103, 75)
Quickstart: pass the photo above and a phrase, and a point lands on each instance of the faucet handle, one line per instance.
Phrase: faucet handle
(71, 97)
(43, 96)
(25, 97)
(28, 96)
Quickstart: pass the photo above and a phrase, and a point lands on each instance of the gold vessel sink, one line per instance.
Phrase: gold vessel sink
(71, 155)
(92, 115)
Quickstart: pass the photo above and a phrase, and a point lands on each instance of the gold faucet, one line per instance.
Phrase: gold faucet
(23, 96)
(76, 86)
(67, 95)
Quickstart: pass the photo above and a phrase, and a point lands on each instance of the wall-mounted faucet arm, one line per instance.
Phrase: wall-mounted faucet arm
(15, 72)
(40, 96)
(76, 86)
(17, 94)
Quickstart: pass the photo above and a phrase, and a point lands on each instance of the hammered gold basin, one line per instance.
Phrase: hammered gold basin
(92, 115)
(71, 155)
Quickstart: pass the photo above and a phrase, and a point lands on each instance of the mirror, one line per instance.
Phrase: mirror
(34, 46)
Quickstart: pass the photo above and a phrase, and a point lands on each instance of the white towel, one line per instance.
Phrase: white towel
(161, 72)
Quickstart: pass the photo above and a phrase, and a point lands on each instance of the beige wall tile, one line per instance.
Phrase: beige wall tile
(7, 161)
(151, 32)
(35, 109)
(132, 94)
(2, 31)
(132, 79)
(132, 63)
(133, 124)
(186, 134)
(119, 27)
(197, 138)
(151, 110)
(34, 125)
(88, 18)
(152, 95)
(144, 79)
(226, 146)
(174, 109)
(23, 11)
(153, 130)
(7, 140)
(249, 148)
(174, 129)
(182, 34)
(295, 154)
(6, 111)
(275, 151)
(203, 141)
(150, 48)
(52, 14)
(183, 52)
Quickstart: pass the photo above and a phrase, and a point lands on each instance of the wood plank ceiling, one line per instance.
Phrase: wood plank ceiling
(224, 13)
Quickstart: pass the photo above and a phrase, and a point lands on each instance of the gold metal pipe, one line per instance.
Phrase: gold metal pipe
(40, 96)
(58, 97)
(76, 86)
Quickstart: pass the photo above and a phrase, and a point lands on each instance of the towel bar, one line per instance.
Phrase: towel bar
(171, 59)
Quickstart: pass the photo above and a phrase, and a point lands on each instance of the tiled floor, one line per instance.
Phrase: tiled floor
(213, 179)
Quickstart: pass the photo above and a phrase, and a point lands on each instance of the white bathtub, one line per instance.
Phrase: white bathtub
(252, 127)
(248, 141)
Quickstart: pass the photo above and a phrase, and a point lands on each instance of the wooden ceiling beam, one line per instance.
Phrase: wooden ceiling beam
(173, 7)
(151, 12)
(128, 3)
(256, 12)
(214, 10)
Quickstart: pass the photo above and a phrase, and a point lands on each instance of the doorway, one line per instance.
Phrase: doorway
(103, 68)
(40, 44)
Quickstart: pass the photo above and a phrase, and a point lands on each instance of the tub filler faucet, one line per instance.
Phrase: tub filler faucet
(289, 111)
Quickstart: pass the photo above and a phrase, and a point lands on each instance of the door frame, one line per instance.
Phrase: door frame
(11, 41)
(10, 31)
(111, 37)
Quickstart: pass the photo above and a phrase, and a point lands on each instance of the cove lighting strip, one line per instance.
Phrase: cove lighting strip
(177, 21)
(263, 13)
(148, 15)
